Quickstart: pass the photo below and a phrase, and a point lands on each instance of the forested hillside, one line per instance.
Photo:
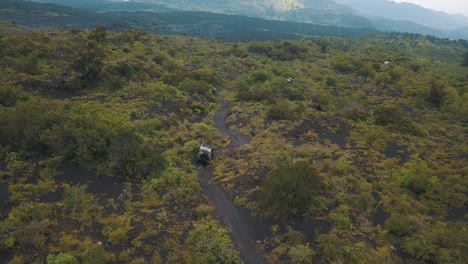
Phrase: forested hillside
(360, 159)
(199, 24)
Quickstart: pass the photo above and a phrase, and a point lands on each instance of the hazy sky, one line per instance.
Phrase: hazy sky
(449, 6)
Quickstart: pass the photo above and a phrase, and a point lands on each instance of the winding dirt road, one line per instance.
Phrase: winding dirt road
(246, 229)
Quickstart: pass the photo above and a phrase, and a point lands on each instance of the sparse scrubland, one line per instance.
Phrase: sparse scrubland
(99, 131)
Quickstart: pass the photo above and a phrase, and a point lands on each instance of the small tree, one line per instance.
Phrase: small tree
(437, 92)
(465, 59)
(76, 200)
(99, 34)
(88, 63)
(291, 189)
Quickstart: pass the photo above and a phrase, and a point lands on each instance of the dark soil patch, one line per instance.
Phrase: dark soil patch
(97, 98)
(164, 109)
(51, 88)
(109, 187)
(168, 108)
(52, 197)
(401, 253)
(331, 129)
(301, 142)
(312, 228)
(3, 165)
(5, 256)
(338, 138)
(395, 151)
(5, 206)
(457, 214)
(379, 217)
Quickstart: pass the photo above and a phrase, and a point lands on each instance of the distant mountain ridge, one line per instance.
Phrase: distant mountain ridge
(382, 15)
(323, 12)
(203, 24)
(409, 12)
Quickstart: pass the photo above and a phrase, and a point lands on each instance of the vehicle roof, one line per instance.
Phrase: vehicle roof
(206, 146)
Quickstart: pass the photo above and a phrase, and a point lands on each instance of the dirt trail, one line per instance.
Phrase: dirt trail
(246, 229)
(237, 139)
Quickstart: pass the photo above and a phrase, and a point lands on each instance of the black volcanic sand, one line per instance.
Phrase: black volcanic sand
(4, 205)
(107, 186)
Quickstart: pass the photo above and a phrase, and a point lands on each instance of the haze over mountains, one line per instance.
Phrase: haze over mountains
(382, 15)
(409, 12)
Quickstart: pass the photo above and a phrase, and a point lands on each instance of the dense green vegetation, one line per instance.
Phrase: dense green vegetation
(99, 131)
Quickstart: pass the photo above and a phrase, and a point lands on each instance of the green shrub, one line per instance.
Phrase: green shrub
(88, 64)
(418, 177)
(284, 109)
(22, 125)
(116, 228)
(395, 118)
(194, 87)
(260, 76)
(290, 189)
(27, 224)
(301, 254)
(256, 92)
(8, 96)
(259, 48)
(340, 218)
(399, 225)
(130, 156)
(61, 258)
(437, 93)
(76, 200)
(208, 242)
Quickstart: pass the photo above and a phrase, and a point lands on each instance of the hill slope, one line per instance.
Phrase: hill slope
(382, 15)
(364, 152)
(228, 27)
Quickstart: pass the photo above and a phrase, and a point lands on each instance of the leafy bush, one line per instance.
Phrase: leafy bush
(256, 92)
(27, 224)
(77, 201)
(301, 254)
(92, 252)
(86, 135)
(88, 64)
(437, 93)
(395, 118)
(418, 177)
(130, 156)
(260, 48)
(400, 225)
(22, 125)
(195, 87)
(260, 76)
(8, 96)
(290, 189)
(284, 109)
(61, 258)
(340, 218)
(116, 228)
(208, 242)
